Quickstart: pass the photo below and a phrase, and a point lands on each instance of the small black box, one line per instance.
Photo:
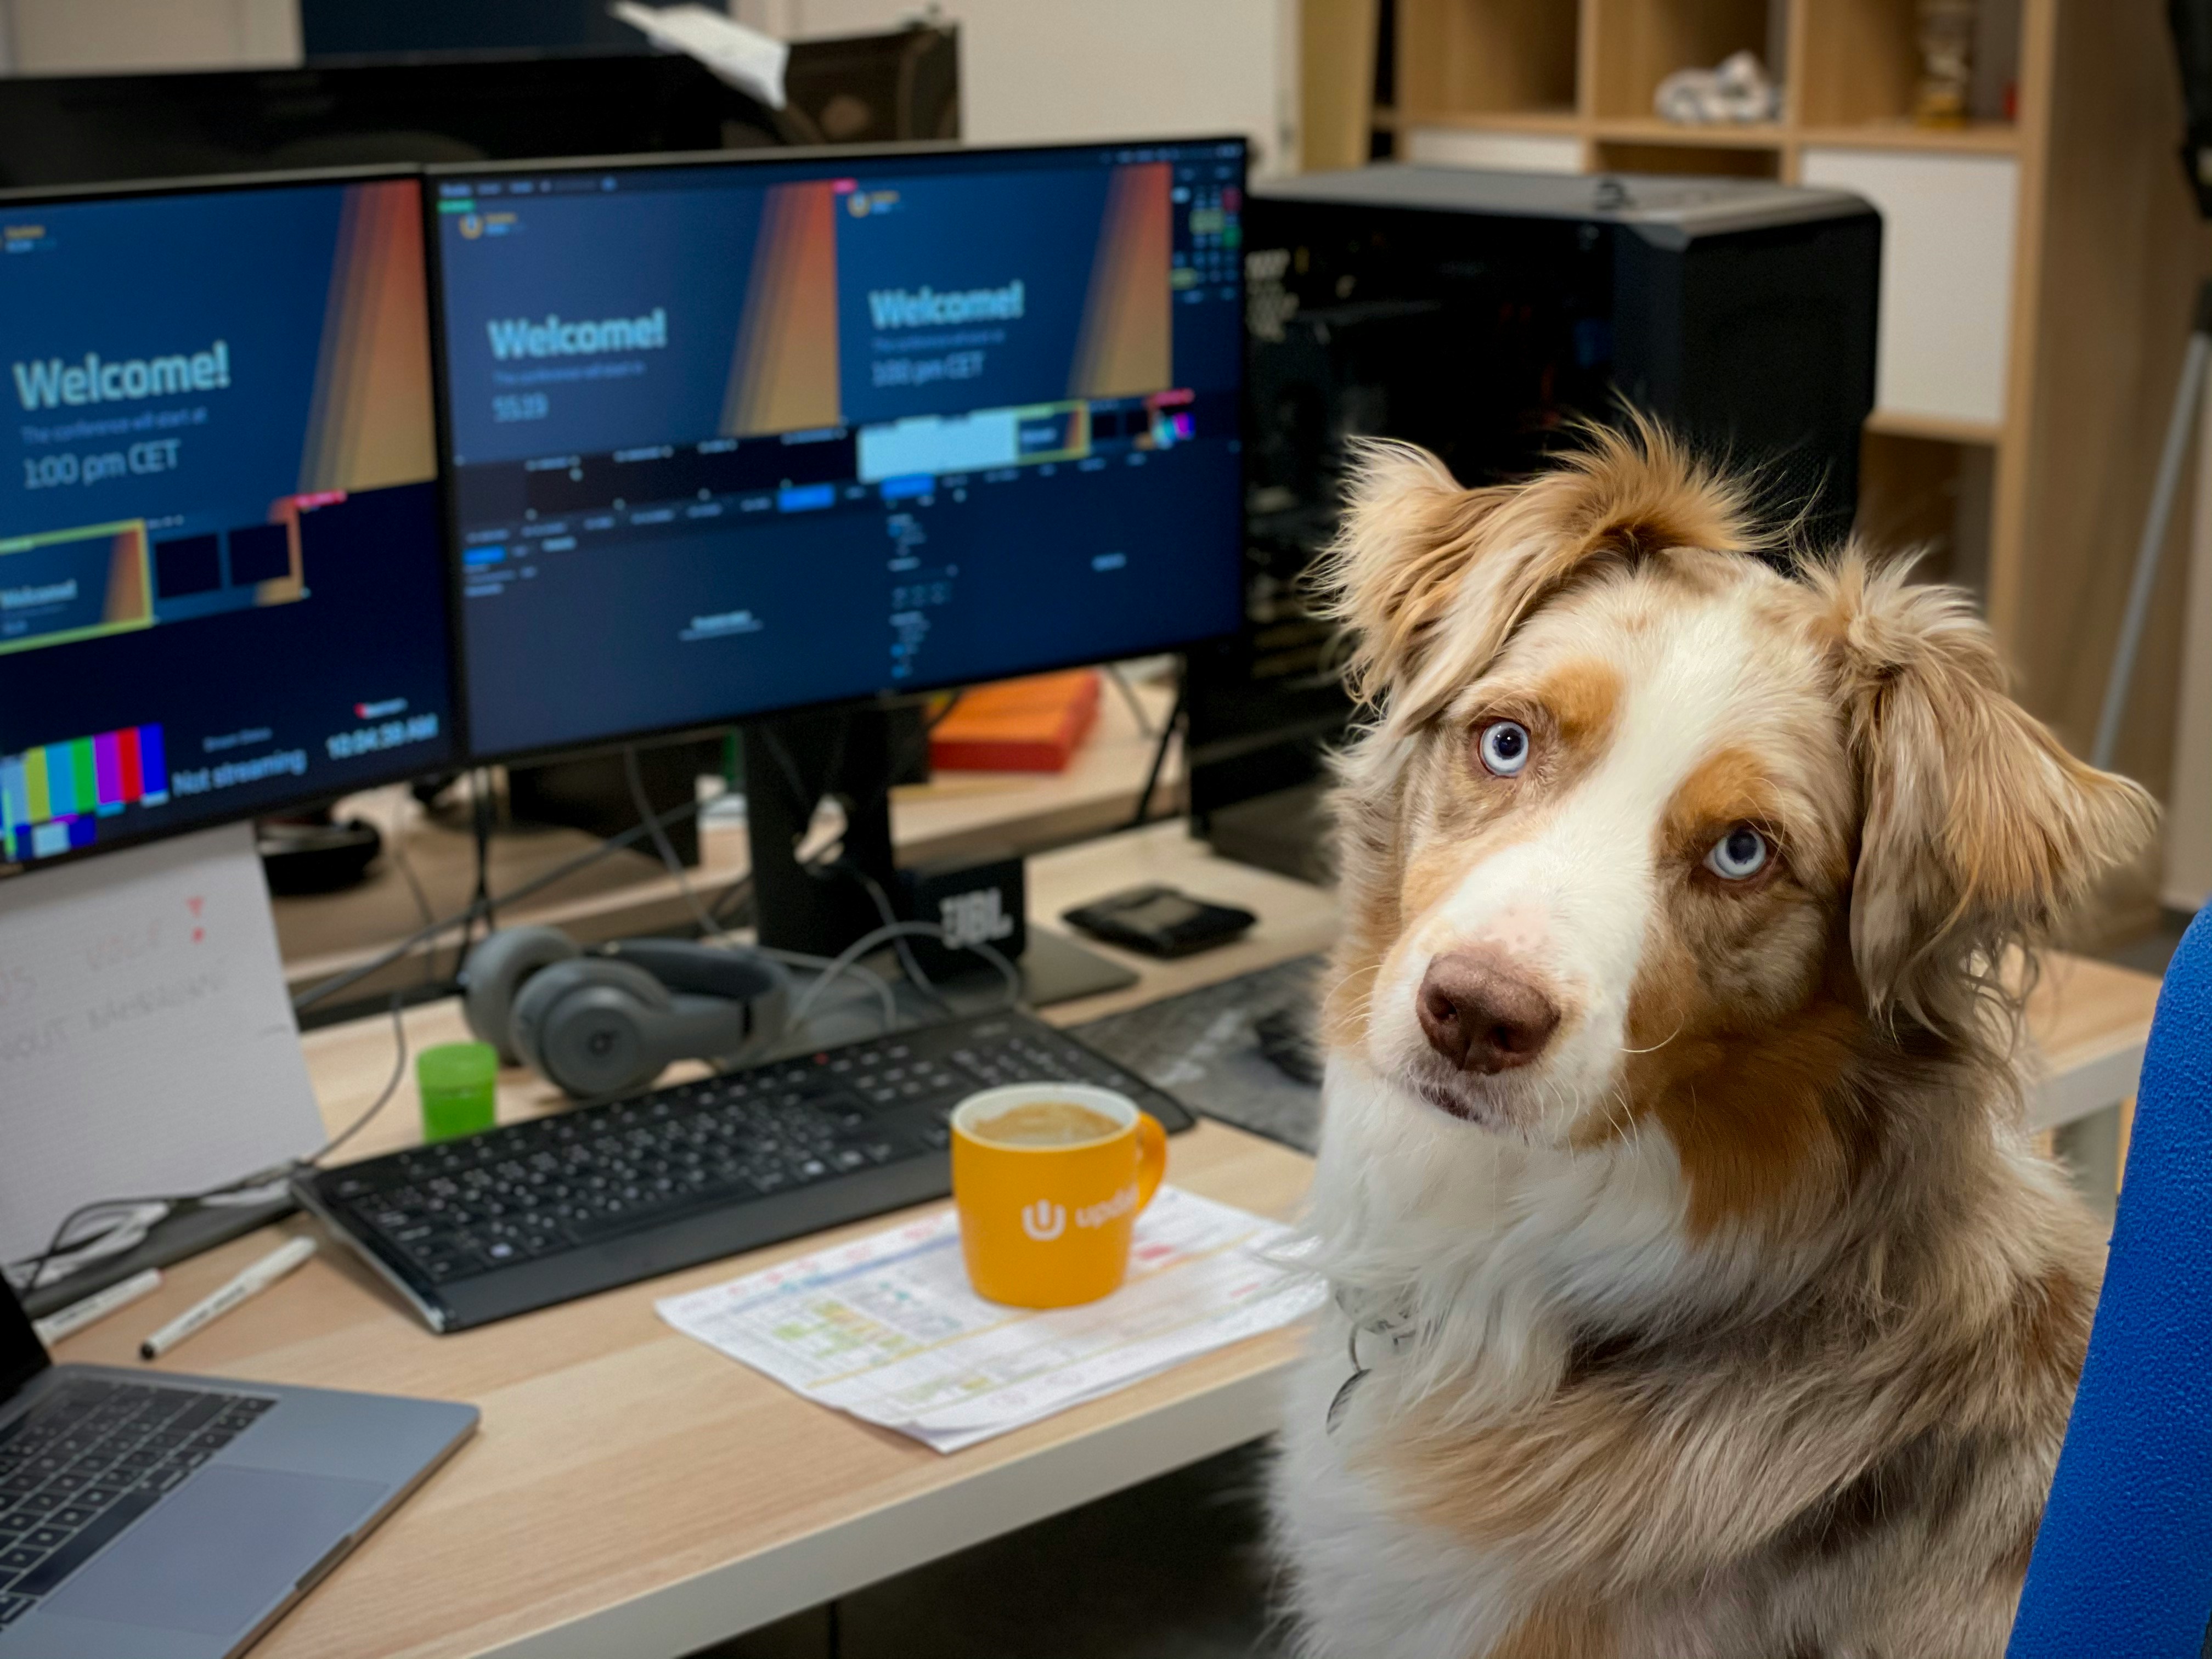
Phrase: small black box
(189, 564)
(259, 553)
(973, 901)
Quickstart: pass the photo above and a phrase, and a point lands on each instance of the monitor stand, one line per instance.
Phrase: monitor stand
(852, 756)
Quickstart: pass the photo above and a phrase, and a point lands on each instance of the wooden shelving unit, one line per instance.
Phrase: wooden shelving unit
(2038, 269)
(1587, 70)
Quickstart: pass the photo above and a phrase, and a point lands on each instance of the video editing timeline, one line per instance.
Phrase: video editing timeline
(219, 537)
(729, 438)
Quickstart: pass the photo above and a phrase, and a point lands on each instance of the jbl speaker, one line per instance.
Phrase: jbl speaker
(984, 904)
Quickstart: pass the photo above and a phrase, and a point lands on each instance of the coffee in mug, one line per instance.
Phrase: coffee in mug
(1045, 1123)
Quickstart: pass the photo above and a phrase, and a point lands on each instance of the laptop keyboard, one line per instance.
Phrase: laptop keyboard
(88, 1461)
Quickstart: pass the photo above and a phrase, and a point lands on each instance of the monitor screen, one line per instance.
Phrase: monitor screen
(22, 1356)
(222, 586)
(732, 437)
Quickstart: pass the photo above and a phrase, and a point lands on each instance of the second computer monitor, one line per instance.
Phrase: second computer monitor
(732, 438)
(222, 586)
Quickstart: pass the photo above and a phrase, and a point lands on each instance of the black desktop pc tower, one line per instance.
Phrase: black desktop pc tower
(1480, 315)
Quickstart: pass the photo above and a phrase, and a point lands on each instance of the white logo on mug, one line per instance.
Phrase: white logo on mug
(1043, 1221)
(1097, 1215)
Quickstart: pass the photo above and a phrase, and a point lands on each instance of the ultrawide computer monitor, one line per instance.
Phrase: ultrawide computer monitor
(222, 587)
(733, 438)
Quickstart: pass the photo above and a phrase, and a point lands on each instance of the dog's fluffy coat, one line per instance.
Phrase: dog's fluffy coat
(1744, 1321)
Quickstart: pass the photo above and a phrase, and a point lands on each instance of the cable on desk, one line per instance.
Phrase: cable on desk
(666, 847)
(396, 842)
(711, 928)
(31, 1271)
(1168, 726)
(1130, 699)
(802, 807)
(867, 977)
(869, 941)
(390, 1088)
(909, 964)
(352, 976)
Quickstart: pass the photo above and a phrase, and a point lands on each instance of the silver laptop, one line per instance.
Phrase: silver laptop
(145, 1515)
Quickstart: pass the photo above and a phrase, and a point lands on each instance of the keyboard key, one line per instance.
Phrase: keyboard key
(46, 1574)
(13, 1607)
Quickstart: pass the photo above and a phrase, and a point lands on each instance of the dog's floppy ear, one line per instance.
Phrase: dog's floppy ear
(1430, 579)
(1409, 532)
(1980, 832)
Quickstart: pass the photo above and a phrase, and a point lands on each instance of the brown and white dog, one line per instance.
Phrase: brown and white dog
(1698, 1292)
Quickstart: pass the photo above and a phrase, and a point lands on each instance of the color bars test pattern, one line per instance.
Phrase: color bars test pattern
(52, 796)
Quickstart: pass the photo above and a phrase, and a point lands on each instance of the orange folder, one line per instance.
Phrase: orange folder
(1030, 725)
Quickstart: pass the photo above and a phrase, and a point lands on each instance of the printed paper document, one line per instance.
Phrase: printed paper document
(887, 1328)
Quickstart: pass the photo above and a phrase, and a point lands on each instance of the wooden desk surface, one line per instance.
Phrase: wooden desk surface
(2088, 1021)
(628, 892)
(633, 1493)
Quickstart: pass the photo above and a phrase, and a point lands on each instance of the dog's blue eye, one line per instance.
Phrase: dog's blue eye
(1740, 854)
(1503, 747)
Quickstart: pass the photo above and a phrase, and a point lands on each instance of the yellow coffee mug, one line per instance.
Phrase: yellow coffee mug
(1048, 1225)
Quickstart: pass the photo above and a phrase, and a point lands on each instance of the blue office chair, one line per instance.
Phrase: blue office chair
(2123, 1564)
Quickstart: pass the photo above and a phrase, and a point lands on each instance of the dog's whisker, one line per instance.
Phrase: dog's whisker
(1657, 1046)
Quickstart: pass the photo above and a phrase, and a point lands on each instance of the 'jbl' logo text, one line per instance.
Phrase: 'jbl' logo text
(978, 917)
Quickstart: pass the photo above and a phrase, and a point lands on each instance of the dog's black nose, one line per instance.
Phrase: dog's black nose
(1481, 1016)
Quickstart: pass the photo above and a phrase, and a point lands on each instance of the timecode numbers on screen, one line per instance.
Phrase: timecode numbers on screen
(389, 734)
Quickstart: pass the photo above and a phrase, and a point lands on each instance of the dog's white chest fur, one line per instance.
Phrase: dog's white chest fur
(1494, 1254)
(1367, 1580)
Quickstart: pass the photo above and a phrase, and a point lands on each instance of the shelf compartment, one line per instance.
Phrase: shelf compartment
(1650, 129)
(1507, 149)
(1861, 63)
(1562, 124)
(1464, 57)
(1937, 428)
(1976, 138)
(1615, 157)
(1641, 42)
(1948, 227)
(1927, 496)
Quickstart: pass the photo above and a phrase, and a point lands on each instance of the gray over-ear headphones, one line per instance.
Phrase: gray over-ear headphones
(607, 1022)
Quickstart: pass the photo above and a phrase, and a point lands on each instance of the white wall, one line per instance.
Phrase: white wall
(1946, 245)
(79, 37)
(1509, 152)
(1030, 70)
(1035, 70)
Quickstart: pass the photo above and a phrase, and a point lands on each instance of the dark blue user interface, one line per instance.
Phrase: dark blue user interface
(729, 438)
(222, 586)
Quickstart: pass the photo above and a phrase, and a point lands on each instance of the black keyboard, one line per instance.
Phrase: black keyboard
(536, 1214)
(87, 1461)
